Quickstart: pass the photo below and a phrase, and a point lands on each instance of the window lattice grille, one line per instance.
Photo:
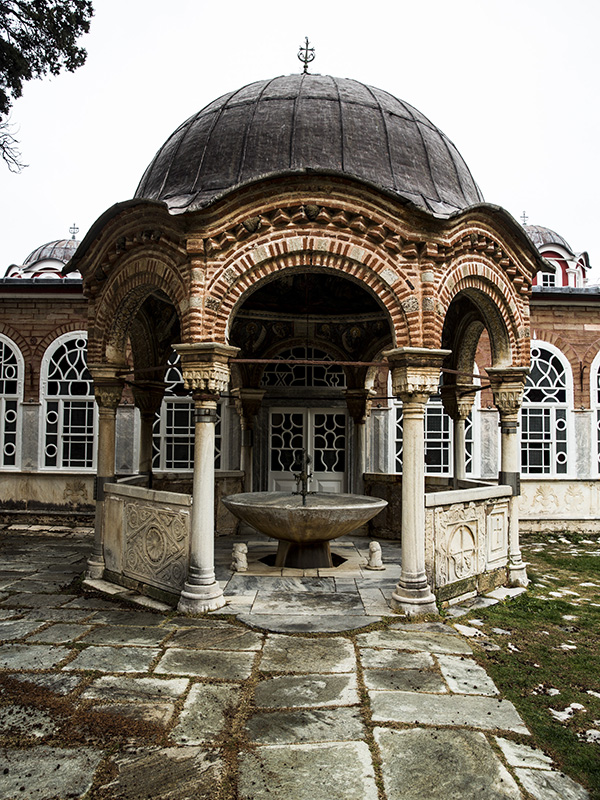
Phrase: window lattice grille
(315, 375)
(9, 405)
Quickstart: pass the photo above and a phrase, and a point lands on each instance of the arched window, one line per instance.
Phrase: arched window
(595, 404)
(11, 389)
(69, 407)
(544, 415)
(321, 375)
(173, 440)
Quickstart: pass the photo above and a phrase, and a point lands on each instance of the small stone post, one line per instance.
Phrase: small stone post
(507, 387)
(206, 373)
(415, 377)
(108, 390)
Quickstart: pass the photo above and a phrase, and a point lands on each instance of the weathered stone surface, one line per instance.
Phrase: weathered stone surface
(306, 725)
(546, 785)
(296, 654)
(405, 680)
(419, 641)
(468, 710)
(521, 755)
(154, 713)
(114, 616)
(305, 603)
(47, 772)
(394, 659)
(283, 772)
(204, 714)
(172, 773)
(19, 720)
(61, 633)
(224, 637)
(31, 600)
(289, 691)
(31, 656)
(132, 635)
(17, 629)
(232, 666)
(114, 687)
(114, 659)
(294, 623)
(465, 676)
(59, 684)
(58, 614)
(453, 765)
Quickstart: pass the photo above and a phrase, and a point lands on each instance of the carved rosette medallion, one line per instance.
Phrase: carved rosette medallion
(459, 540)
(156, 545)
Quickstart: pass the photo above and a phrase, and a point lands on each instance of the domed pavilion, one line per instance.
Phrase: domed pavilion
(308, 231)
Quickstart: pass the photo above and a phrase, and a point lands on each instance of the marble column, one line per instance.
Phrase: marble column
(507, 388)
(359, 407)
(148, 398)
(206, 373)
(108, 390)
(415, 377)
(458, 401)
(247, 404)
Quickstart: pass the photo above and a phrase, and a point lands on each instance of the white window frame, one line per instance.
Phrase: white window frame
(552, 415)
(11, 410)
(63, 403)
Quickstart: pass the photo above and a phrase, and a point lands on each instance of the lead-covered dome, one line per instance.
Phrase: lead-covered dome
(309, 123)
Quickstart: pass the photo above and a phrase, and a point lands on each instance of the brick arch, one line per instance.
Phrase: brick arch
(245, 277)
(493, 285)
(565, 347)
(49, 338)
(118, 303)
(591, 353)
(18, 339)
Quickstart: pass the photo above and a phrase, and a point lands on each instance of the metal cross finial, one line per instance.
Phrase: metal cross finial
(73, 230)
(306, 54)
(524, 218)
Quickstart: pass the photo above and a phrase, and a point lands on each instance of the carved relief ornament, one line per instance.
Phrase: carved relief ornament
(210, 378)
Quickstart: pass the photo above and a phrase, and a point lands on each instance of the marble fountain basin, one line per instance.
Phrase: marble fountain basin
(303, 530)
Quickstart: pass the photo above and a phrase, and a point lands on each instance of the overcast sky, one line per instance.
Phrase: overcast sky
(514, 84)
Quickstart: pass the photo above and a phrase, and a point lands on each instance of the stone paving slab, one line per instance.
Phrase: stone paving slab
(405, 680)
(113, 659)
(60, 633)
(521, 755)
(546, 785)
(31, 656)
(154, 713)
(306, 725)
(225, 665)
(114, 616)
(292, 623)
(59, 684)
(114, 687)
(471, 711)
(11, 630)
(453, 765)
(307, 604)
(57, 615)
(296, 654)
(291, 691)
(372, 658)
(286, 772)
(171, 773)
(465, 676)
(406, 640)
(223, 637)
(204, 713)
(47, 772)
(31, 600)
(25, 722)
(131, 635)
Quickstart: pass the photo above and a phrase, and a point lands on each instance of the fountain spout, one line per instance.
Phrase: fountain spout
(302, 478)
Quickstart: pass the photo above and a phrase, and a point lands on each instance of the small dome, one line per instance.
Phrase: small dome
(46, 261)
(541, 236)
(309, 123)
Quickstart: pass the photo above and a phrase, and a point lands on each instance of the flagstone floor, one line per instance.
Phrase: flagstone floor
(288, 700)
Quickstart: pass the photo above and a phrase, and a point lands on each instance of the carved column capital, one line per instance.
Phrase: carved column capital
(148, 396)
(458, 400)
(508, 385)
(415, 372)
(247, 404)
(359, 404)
(205, 367)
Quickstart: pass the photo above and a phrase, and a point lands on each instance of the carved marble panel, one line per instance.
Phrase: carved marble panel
(559, 500)
(459, 542)
(155, 545)
(497, 535)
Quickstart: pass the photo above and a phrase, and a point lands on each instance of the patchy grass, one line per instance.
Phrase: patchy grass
(549, 652)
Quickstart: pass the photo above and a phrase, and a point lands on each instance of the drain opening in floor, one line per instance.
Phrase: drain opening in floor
(270, 560)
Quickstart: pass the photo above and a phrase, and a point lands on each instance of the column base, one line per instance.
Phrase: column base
(196, 599)
(414, 602)
(517, 574)
(95, 568)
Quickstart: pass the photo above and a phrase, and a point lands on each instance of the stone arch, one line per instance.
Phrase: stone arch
(244, 275)
(119, 303)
